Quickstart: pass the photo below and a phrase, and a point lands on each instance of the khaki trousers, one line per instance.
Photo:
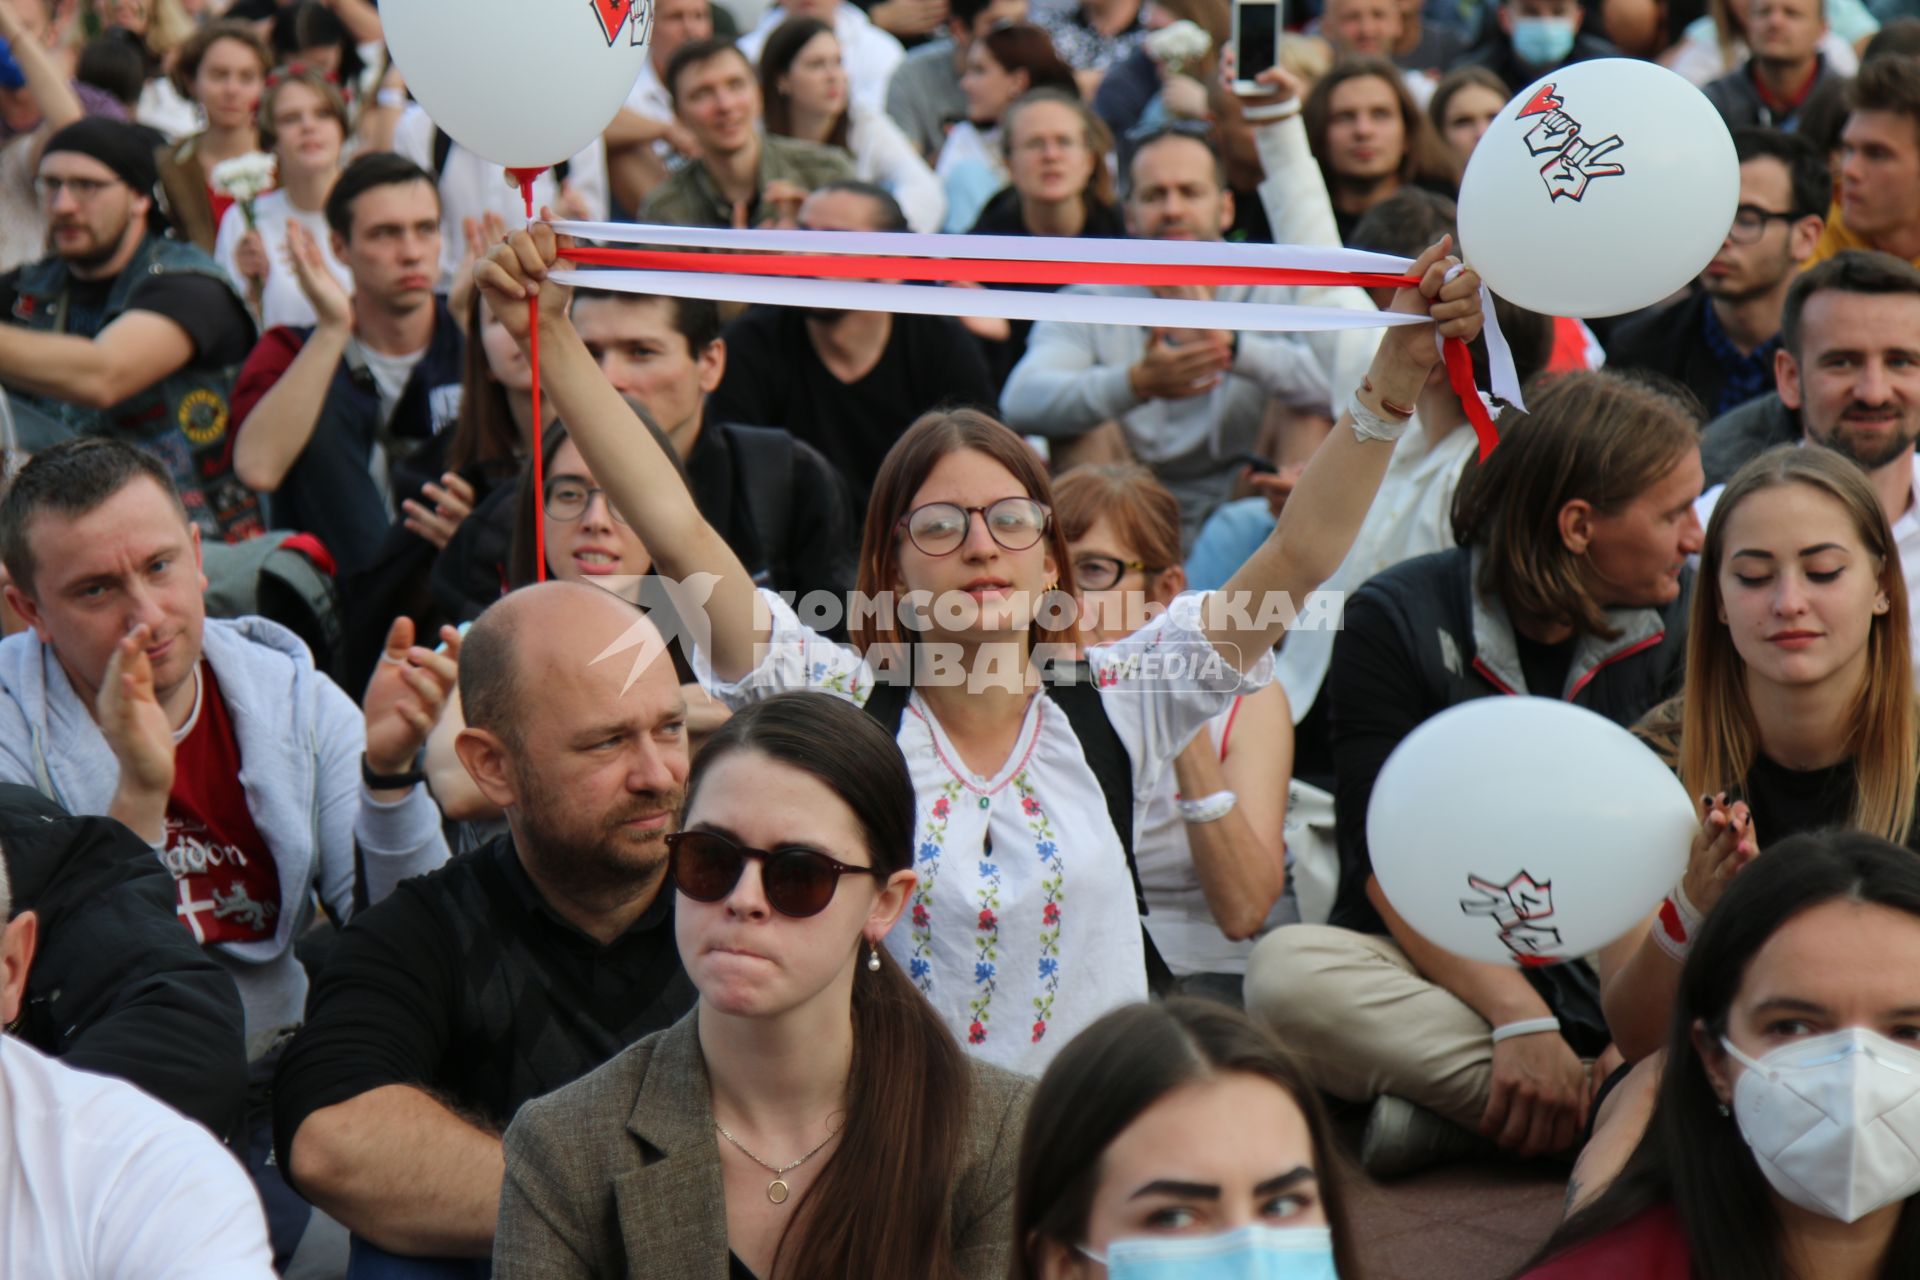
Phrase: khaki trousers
(1362, 1021)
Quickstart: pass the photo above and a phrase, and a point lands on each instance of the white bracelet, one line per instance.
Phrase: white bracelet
(1677, 922)
(390, 98)
(1528, 1027)
(1368, 425)
(1272, 112)
(1208, 808)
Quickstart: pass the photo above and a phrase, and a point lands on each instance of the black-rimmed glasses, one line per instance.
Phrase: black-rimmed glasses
(798, 882)
(1750, 223)
(568, 498)
(1102, 573)
(939, 528)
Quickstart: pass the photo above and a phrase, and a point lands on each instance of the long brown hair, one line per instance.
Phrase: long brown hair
(882, 1205)
(776, 59)
(1425, 157)
(1718, 737)
(906, 467)
(486, 430)
(1593, 436)
(1109, 1075)
(1022, 46)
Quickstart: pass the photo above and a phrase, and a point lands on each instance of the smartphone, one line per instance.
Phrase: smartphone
(1256, 42)
(1256, 463)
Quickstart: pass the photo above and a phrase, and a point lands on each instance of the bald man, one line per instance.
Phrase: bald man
(517, 968)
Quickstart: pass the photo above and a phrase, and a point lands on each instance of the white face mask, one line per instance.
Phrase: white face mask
(1834, 1120)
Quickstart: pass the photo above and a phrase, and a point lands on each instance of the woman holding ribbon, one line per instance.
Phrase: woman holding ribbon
(1024, 923)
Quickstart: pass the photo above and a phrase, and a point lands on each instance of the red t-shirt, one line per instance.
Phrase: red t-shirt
(229, 887)
(1650, 1246)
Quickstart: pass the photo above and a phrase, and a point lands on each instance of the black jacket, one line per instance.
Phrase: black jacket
(1418, 638)
(117, 985)
(1738, 436)
(1670, 340)
(1739, 103)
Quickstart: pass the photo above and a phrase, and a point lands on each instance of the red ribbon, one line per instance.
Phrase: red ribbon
(525, 177)
(972, 270)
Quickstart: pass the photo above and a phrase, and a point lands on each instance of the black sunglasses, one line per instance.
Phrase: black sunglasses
(798, 882)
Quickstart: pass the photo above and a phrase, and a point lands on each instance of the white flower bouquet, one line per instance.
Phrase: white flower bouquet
(244, 179)
(1178, 45)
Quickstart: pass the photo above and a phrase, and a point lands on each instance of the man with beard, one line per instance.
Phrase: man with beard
(518, 967)
(847, 382)
(125, 332)
(1849, 371)
(1720, 340)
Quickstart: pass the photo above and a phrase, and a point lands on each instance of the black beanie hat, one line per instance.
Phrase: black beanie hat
(122, 147)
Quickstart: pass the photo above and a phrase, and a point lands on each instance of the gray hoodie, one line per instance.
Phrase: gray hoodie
(301, 739)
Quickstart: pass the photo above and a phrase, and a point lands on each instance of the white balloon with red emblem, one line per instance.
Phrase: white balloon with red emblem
(1526, 831)
(523, 83)
(1601, 189)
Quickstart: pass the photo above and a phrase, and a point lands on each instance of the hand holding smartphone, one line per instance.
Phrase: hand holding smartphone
(1256, 43)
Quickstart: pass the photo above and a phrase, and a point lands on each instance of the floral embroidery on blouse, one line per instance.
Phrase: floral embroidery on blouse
(1052, 894)
(927, 863)
(986, 944)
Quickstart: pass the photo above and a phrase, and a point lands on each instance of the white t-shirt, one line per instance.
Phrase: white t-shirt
(390, 374)
(1906, 538)
(100, 1182)
(281, 301)
(1023, 928)
(23, 220)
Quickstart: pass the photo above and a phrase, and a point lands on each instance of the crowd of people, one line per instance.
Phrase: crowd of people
(731, 858)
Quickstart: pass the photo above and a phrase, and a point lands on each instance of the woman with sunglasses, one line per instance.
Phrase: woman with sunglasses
(1024, 926)
(1210, 847)
(812, 1116)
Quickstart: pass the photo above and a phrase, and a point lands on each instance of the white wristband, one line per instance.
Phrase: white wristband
(1208, 808)
(1529, 1027)
(1271, 112)
(1368, 425)
(390, 98)
(1678, 920)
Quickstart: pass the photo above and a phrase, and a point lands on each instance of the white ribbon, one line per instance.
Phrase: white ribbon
(1014, 304)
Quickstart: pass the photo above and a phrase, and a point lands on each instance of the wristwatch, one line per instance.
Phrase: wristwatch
(389, 781)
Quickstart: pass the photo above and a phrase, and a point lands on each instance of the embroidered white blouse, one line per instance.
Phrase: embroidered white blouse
(1024, 927)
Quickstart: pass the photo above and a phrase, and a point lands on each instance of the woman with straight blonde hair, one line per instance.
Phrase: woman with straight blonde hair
(1798, 711)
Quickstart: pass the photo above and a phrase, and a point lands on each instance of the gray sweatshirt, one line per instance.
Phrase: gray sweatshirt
(301, 739)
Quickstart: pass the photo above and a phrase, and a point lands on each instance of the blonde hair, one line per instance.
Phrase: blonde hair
(1718, 737)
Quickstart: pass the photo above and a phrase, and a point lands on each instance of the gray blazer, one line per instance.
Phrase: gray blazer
(588, 1197)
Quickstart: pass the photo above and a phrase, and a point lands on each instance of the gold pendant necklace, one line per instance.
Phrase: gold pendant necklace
(777, 1190)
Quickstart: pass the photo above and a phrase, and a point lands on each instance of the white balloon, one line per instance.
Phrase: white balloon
(1600, 189)
(523, 83)
(1526, 830)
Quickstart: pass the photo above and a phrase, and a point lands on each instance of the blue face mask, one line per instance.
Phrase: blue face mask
(1252, 1252)
(1543, 42)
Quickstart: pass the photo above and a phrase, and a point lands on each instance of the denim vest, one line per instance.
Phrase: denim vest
(183, 419)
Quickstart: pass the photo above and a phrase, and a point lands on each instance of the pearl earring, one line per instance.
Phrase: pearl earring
(873, 959)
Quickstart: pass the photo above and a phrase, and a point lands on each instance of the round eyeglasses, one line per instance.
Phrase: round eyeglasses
(939, 528)
(568, 499)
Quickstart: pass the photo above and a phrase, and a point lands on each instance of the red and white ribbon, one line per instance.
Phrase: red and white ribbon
(845, 270)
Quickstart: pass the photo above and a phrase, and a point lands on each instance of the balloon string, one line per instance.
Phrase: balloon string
(526, 177)
(975, 270)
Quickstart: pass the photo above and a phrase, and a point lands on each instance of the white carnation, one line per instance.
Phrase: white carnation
(244, 178)
(1179, 43)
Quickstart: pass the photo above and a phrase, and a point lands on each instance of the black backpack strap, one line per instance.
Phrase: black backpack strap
(766, 471)
(1112, 766)
(442, 148)
(887, 704)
